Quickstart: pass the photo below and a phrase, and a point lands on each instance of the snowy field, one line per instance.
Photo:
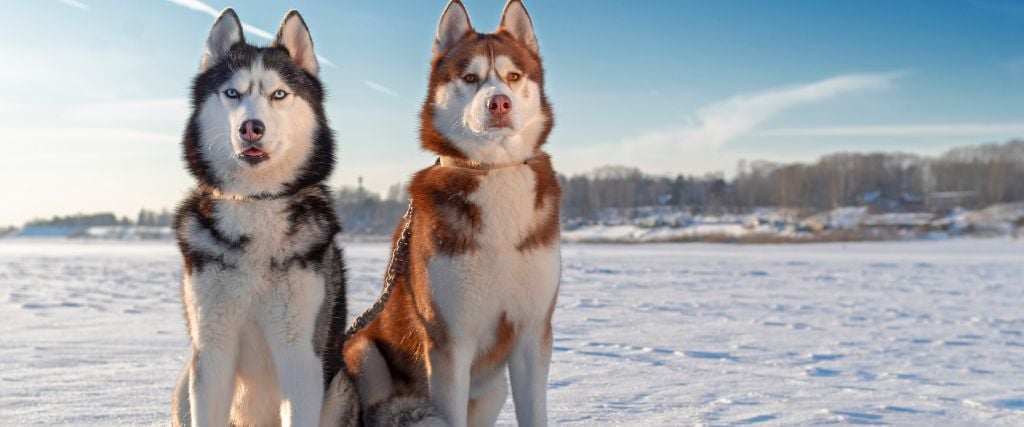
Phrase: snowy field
(907, 333)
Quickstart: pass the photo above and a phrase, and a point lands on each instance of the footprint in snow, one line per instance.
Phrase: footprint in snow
(822, 372)
(758, 419)
(859, 417)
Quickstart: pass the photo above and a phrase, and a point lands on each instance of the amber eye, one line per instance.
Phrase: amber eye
(514, 77)
(470, 78)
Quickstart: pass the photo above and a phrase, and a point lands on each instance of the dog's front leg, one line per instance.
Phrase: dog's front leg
(449, 382)
(288, 326)
(300, 375)
(212, 382)
(214, 320)
(528, 368)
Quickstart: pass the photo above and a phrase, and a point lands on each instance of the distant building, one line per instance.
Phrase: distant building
(944, 201)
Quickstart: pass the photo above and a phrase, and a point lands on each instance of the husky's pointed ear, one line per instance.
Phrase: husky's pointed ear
(517, 22)
(226, 32)
(454, 25)
(294, 37)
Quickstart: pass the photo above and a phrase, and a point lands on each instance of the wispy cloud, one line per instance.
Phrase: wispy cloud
(75, 4)
(696, 145)
(904, 130)
(200, 6)
(715, 124)
(377, 87)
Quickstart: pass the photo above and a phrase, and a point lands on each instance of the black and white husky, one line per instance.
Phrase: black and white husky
(264, 285)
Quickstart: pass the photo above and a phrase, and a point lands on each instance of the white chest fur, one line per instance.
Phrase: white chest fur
(262, 223)
(474, 289)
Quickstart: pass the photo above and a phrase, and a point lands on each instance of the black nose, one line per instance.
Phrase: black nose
(251, 130)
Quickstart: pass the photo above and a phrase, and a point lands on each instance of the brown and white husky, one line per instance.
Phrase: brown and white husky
(478, 287)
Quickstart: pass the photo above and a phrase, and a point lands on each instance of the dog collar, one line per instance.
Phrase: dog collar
(252, 197)
(455, 162)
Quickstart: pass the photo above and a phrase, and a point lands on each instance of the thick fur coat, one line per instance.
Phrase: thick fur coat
(264, 282)
(473, 305)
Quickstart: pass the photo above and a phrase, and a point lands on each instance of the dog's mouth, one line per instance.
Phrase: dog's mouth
(498, 123)
(253, 155)
(498, 131)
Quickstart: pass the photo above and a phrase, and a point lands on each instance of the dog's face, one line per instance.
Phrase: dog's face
(486, 99)
(258, 125)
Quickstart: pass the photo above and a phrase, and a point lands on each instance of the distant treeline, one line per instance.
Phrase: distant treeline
(80, 220)
(366, 212)
(145, 217)
(969, 177)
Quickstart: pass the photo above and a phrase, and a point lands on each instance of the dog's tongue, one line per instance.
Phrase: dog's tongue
(253, 152)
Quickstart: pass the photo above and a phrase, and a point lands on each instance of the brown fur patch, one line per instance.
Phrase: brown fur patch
(442, 208)
(497, 354)
(471, 408)
(400, 331)
(547, 196)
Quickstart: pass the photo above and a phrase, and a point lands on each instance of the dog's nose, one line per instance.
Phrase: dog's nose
(252, 130)
(499, 105)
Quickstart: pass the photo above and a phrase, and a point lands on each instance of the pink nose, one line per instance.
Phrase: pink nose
(252, 130)
(499, 105)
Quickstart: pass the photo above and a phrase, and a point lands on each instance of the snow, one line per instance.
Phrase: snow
(906, 333)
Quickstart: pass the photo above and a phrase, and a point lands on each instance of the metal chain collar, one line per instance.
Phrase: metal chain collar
(398, 258)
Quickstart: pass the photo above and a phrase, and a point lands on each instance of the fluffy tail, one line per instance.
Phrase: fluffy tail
(403, 411)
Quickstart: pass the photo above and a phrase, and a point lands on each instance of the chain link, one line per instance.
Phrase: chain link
(398, 258)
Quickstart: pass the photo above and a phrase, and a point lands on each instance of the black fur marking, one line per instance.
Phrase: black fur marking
(332, 358)
(315, 209)
(209, 224)
(199, 206)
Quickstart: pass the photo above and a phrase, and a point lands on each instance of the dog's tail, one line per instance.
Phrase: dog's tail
(403, 411)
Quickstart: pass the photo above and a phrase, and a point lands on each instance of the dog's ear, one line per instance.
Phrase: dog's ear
(226, 32)
(454, 25)
(517, 22)
(294, 37)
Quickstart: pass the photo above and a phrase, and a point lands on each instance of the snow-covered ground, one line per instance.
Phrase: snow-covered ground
(904, 333)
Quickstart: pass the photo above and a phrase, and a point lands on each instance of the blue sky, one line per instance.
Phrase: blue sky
(93, 102)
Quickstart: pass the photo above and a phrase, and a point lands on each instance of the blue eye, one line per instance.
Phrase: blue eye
(279, 94)
(231, 93)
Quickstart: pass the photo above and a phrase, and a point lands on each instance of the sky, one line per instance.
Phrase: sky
(93, 102)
